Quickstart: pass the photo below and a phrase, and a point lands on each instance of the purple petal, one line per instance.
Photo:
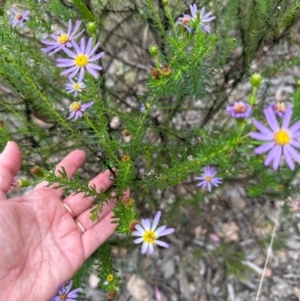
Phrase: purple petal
(150, 249)
(139, 231)
(82, 45)
(264, 148)
(277, 156)
(295, 143)
(271, 118)
(162, 243)
(262, 136)
(270, 156)
(73, 69)
(74, 293)
(287, 118)
(66, 63)
(96, 57)
(76, 47)
(193, 9)
(87, 105)
(167, 232)
(160, 229)
(156, 220)
(288, 158)
(295, 155)
(146, 223)
(92, 71)
(295, 127)
(138, 240)
(88, 47)
(209, 186)
(72, 114)
(69, 52)
(144, 247)
(262, 128)
(69, 286)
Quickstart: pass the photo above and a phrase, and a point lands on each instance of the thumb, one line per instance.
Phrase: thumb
(10, 163)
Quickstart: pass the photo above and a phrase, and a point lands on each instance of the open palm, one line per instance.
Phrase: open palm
(41, 244)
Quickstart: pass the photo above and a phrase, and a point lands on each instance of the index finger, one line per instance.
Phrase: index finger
(70, 163)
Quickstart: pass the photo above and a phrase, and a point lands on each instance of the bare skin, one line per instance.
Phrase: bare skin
(41, 245)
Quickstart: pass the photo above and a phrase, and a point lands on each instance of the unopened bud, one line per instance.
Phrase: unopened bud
(91, 28)
(153, 50)
(1, 124)
(255, 80)
(165, 2)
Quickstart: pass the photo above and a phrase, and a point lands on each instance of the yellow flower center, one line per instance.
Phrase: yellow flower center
(110, 277)
(19, 17)
(208, 179)
(75, 106)
(76, 86)
(149, 236)
(81, 60)
(63, 297)
(239, 108)
(63, 38)
(282, 137)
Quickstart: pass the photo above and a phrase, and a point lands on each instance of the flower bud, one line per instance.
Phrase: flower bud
(20, 183)
(255, 80)
(111, 295)
(153, 50)
(91, 28)
(128, 202)
(155, 73)
(37, 171)
(165, 2)
(132, 225)
(125, 158)
(166, 70)
(298, 82)
(1, 124)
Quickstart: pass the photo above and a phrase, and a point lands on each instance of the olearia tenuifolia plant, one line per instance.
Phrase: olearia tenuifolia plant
(67, 83)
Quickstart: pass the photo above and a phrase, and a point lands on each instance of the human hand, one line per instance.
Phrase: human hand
(41, 244)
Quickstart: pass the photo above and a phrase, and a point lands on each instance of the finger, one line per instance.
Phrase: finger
(85, 220)
(10, 163)
(78, 203)
(97, 235)
(70, 163)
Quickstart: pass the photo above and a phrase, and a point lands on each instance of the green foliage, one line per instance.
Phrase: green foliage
(184, 85)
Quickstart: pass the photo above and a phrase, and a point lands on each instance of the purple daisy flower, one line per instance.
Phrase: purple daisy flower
(81, 60)
(75, 86)
(239, 109)
(190, 21)
(62, 39)
(76, 109)
(65, 294)
(208, 178)
(278, 108)
(18, 18)
(149, 234)
(279, 139)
